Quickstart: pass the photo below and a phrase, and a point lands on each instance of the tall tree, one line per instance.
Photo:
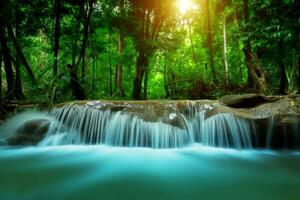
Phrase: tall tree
(225, 48)
(110, 66)
(0, 73)
(18, 82)
(86, 31)
(20, 54)
(7, 61)
(210, 40)
(149, 18)
(192, 42)
(272, 28)
(57, 18)
(166, 87)
(5, 12)
(256, 74)
(119, 71)
(120, 49)
(283, 86)
(85, 9)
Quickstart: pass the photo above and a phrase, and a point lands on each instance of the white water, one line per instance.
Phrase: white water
(85, 125)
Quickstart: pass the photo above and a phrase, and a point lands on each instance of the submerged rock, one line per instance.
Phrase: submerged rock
(29, 133)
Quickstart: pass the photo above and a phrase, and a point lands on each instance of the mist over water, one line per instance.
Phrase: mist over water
(209, 158)
(103, 172)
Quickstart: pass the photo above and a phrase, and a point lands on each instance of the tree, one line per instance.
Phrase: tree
(86, 31)
(210, 40)
(100, 48)
(18, 82)
(225, 44)
(57, 11)
(0, 73)
(273, 29)
(256, 75)
(7, 61)
(148, 18)
(121, 43)
(84, 15)
(221, 11)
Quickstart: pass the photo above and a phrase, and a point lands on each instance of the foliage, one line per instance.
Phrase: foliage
(176, 48)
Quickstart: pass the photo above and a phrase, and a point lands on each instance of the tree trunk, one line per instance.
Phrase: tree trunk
(0, 72)
(225, 49)
(119, 71)
(146, 67)
(166, 77)
(210, 41)
(93, 65)
(149, 21)
(86, 31)
(110, 66)
(283, 79)
(83, 70)
(252, 76)
(137, 84)
(297, 47)
(247, 43)
(298, 63)
(75, 63)
(192, 45)
(256, 75)
(283, 86)
(21, 55)
(255, 72)
(7, 63)
(77, 89)
(18, 83)
(174, 87)
(140, 70)
(141, 60)
(57, 11)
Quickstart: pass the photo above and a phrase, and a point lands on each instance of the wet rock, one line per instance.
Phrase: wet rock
(247, 100)
(149, 111)
(278, 132)
(29, 133)
(275, 121)
(3, 142)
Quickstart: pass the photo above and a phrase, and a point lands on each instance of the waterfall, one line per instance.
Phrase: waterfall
(84, 124)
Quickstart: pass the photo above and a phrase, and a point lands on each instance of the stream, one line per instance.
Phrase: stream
(104, 172)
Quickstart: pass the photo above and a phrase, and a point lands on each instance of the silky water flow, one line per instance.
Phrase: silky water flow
(77, 124)
(89, 153)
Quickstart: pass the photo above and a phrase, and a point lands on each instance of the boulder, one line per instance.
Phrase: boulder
(247, 100)
(275, 119)
(29, 133)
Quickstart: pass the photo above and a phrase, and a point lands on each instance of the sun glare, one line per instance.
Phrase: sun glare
(185, 5)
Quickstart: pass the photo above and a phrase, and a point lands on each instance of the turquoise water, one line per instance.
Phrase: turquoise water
(101, 172)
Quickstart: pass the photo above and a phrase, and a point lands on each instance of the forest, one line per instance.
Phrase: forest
(62, 50)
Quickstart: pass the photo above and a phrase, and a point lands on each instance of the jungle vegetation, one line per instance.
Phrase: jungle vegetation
(60, 50)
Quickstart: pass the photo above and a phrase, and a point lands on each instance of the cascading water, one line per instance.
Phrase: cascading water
(94, 151)
(82, 124)
(85, 125)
